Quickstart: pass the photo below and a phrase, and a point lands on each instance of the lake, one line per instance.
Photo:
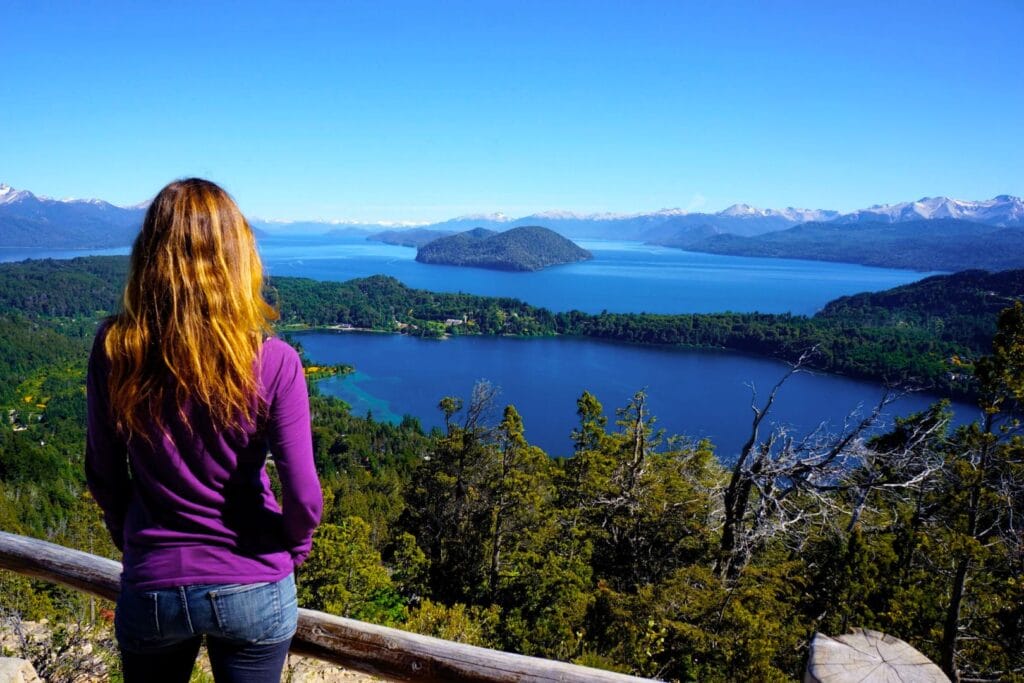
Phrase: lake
(8, 254)
(694, 393)
(623, 277)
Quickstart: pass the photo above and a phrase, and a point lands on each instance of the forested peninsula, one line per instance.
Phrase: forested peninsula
(641, 552)
(921, 335)
(944, 244)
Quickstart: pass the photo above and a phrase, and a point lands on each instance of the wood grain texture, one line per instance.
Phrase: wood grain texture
(866, 655)
(386, 652)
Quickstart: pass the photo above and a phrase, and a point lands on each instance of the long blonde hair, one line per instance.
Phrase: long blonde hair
(193, 316)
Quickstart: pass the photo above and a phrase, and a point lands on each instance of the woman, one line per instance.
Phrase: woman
(187, 392)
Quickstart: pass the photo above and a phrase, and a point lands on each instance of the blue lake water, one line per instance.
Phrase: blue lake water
(693, 393)
(623, 277)
(8, 254)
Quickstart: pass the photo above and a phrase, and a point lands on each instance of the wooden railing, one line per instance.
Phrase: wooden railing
(386, 652)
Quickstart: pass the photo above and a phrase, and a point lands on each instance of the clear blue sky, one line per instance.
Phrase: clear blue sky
(424, 110)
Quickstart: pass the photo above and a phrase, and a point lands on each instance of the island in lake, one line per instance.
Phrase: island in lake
(525, 248)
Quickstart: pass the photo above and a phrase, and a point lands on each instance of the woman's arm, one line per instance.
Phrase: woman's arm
(291, 443)
(106, 456)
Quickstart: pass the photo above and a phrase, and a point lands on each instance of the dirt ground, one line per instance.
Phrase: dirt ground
(297, 669)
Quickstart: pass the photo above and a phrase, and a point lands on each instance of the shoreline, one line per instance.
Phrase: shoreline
(965, 397)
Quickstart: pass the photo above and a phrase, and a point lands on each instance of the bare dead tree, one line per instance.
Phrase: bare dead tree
(737, 494)
(781, 486)
(481, 406)
(474, 432)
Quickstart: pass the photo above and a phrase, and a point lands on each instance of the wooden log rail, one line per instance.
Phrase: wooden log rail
(385, 652)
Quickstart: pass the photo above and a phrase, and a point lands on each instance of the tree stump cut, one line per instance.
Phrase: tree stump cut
(868, 656)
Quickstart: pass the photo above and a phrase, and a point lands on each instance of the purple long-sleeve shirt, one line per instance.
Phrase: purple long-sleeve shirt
(193, 504)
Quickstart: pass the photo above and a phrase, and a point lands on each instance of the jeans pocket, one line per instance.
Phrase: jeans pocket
(137, 618)
(252, 613)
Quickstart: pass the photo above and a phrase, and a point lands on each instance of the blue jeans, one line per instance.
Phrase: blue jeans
(248, 629)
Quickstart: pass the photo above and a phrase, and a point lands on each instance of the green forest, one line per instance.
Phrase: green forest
(922, 335)
(641, 552)
(919, 336)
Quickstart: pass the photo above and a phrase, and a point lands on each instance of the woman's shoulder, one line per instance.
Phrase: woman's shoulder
(277, 355)
(280, 367)
(103, 328)
(274, 347)
(98, 355)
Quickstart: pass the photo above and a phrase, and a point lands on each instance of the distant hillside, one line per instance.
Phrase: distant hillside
(683, 237)
(937, 244)
(525, 248)
(63, 288)
(294, 228)
(960, 308)
(30, 221)
(410, 237)
(347, 232)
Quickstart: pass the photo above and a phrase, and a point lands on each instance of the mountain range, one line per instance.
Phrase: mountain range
(30, 221)
(27, 220)
(741, 219)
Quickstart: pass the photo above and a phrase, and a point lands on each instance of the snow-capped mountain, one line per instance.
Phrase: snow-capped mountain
(30, 220)
(9, 195)
(1003, 210)
(747, 220)
(27, 220)
(497, 221)
(789, 213)
(23, 201)
(496, 217)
